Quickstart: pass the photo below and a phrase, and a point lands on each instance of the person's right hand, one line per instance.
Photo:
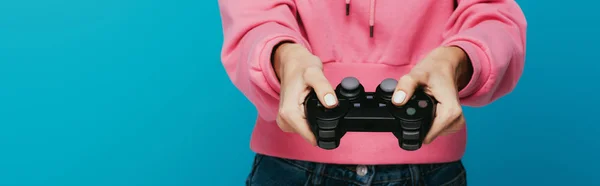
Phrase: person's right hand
(299, 72)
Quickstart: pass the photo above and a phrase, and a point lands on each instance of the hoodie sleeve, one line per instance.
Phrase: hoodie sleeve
(492, 33)
(251, 29)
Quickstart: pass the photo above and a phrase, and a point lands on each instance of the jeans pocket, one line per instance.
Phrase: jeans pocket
(268, 171)
(446, 174)
(257, 159)
(459, 180)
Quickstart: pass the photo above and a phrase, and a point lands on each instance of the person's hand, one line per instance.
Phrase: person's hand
(299, 72)
(441, 74)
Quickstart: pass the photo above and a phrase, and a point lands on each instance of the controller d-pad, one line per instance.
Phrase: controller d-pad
(326, 133)
(410, 135)
(327, 124)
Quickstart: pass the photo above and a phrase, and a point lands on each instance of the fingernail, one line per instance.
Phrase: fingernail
(330, 100)
(399, 96)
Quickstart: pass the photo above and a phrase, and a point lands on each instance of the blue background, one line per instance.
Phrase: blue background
(113, 92)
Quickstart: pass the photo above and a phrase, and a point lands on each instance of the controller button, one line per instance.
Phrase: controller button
(388, 85)
(350, 83)
(326, 133)
(410, 146)
(327, 144)
(410, 135)
(382, 105)
(411, 125)
(356, 105)
(328, 125)
(423, 103)
(411, 111)
(350, 88)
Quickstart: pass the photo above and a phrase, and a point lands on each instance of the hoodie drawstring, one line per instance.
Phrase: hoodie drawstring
(372, 18)
(371, 15)
(347, 7)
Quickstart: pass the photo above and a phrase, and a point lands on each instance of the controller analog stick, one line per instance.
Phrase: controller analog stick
(388, 85)
(350, 88)
(386, 88)
(350, 83)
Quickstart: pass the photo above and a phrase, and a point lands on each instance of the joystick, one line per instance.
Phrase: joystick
(360, 111)
(350, 88)
(386, 88)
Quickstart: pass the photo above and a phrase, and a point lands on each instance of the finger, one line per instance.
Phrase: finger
(287, 97)
(284, 126)
(455, 127)
(404, 89)
(439, 124)
(303, 96)
(315, 78)
(444, 90)
(291, 115)
(449, 108)
(299, 125)
(446, 116)
(290, 111)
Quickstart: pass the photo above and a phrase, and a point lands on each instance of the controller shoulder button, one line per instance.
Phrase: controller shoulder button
(410, 125)
(327, 124)
(328, 145)
(326, 133)
(410, 135)
(410, 146)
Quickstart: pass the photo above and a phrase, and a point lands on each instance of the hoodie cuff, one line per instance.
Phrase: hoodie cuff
(266, 63)
(479, 61)
(276, 34)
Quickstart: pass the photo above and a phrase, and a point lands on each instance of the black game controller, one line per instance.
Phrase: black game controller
(360, 111)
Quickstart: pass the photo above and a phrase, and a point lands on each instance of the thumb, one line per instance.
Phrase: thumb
(404, 90)
(315, 78)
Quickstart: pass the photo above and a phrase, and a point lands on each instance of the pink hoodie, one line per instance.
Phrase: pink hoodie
(370, 40)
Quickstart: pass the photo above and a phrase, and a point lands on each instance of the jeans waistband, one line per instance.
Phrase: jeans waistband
(373, 173)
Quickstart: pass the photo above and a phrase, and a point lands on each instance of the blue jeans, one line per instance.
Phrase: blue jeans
(268, 170)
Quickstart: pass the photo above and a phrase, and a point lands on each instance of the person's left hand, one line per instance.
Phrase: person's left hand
(441, 74)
